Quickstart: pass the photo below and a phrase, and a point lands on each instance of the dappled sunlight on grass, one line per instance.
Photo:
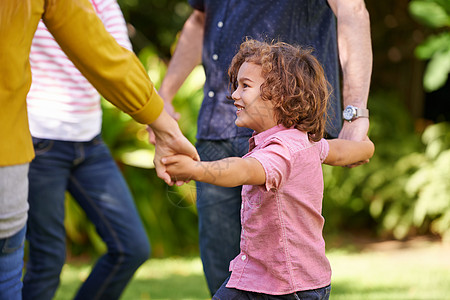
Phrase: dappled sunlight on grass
(171, 278)
(164, 268)
(76, 273)
(72, 276)
(392, 270)
(171, 287)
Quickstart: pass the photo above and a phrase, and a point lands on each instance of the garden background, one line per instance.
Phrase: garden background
(403, 193)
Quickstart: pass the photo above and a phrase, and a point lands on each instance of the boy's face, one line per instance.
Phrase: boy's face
(252, 111)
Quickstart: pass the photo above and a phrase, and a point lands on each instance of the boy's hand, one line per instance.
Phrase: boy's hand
(363, 162)
(181, 168)
(355, 131)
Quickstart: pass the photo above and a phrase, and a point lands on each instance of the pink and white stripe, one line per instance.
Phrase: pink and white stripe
(62, 104)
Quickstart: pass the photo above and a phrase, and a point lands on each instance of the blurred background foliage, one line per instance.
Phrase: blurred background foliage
(436, 48)
(403, 192)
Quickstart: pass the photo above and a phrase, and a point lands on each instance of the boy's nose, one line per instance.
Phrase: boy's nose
(235, 95)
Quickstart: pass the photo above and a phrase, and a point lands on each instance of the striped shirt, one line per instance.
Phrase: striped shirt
(62, 104)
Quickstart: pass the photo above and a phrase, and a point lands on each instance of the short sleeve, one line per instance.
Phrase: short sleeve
(276, 161)
(324, 148)
(197, 4)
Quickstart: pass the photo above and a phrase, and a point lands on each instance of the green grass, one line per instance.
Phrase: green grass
(385, 275)
(172, 278)
(380, 271)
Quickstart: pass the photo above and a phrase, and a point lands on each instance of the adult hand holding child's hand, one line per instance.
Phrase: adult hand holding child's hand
(179, 167)
(169, 141)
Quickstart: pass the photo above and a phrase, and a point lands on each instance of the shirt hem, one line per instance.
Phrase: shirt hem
(283, 292)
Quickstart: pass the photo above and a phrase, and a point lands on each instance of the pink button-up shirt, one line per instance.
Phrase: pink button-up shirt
(282, 248)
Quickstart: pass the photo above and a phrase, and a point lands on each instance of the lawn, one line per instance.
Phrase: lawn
(418, 269)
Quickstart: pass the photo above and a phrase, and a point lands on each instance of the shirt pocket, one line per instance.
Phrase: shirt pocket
(254, 201)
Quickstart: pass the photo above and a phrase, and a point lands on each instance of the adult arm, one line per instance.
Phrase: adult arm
(355, 55)
(114, 71)
(346, 152)
(228, 172)
(187, 55)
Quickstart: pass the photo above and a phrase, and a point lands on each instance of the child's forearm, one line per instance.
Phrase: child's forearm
(219, 172)
(228, 172)
(346, 152)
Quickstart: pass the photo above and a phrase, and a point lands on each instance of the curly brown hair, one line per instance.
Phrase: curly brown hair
(294, 81)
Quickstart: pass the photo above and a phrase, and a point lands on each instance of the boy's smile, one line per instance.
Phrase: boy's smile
(239, 108)
(252, 111)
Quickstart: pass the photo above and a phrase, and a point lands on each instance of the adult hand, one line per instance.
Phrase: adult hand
(356, 131)
(169, 141)
(171, 111)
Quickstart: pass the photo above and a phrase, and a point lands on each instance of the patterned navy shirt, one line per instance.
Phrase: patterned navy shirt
(309, 23)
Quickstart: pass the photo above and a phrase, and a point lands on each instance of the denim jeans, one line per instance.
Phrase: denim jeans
(225, 293)
(11, 263)
(219, 214)
(89, 173)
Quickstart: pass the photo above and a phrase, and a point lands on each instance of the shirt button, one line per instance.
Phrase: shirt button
(215, 57)
(220, 24)
(244, 257)
(210, 94)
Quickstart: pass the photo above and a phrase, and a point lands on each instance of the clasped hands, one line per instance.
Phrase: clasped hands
(169, 140)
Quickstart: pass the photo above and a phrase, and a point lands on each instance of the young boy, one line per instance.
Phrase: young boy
(280, 92)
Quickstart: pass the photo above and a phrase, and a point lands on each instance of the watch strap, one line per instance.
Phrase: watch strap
(362, 113)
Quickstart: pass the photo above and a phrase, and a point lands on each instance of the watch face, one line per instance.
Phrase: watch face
(348, 113)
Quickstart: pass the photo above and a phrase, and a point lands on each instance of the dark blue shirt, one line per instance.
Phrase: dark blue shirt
(309, 23)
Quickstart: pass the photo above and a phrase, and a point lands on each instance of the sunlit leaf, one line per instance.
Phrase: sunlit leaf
(433, 44)
(429, 13)
(436, 73)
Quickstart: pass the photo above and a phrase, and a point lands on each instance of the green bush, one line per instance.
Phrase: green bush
(404, 190)
(351, 195)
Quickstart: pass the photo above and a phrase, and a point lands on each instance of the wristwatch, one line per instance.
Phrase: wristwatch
(352, 113)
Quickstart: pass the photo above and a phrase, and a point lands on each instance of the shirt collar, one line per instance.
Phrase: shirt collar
(258, 138)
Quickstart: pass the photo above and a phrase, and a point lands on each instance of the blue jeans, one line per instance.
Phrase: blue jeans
(89, 173)
(219, 214)
(11, 263)
(225, 293)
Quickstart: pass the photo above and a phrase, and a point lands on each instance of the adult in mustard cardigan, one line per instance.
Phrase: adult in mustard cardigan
(115, 72)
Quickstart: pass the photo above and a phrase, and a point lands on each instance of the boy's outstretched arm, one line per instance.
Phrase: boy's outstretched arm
(228, 172)
(345, 152)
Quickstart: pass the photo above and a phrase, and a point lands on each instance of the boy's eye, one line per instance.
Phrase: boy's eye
(245, 85)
